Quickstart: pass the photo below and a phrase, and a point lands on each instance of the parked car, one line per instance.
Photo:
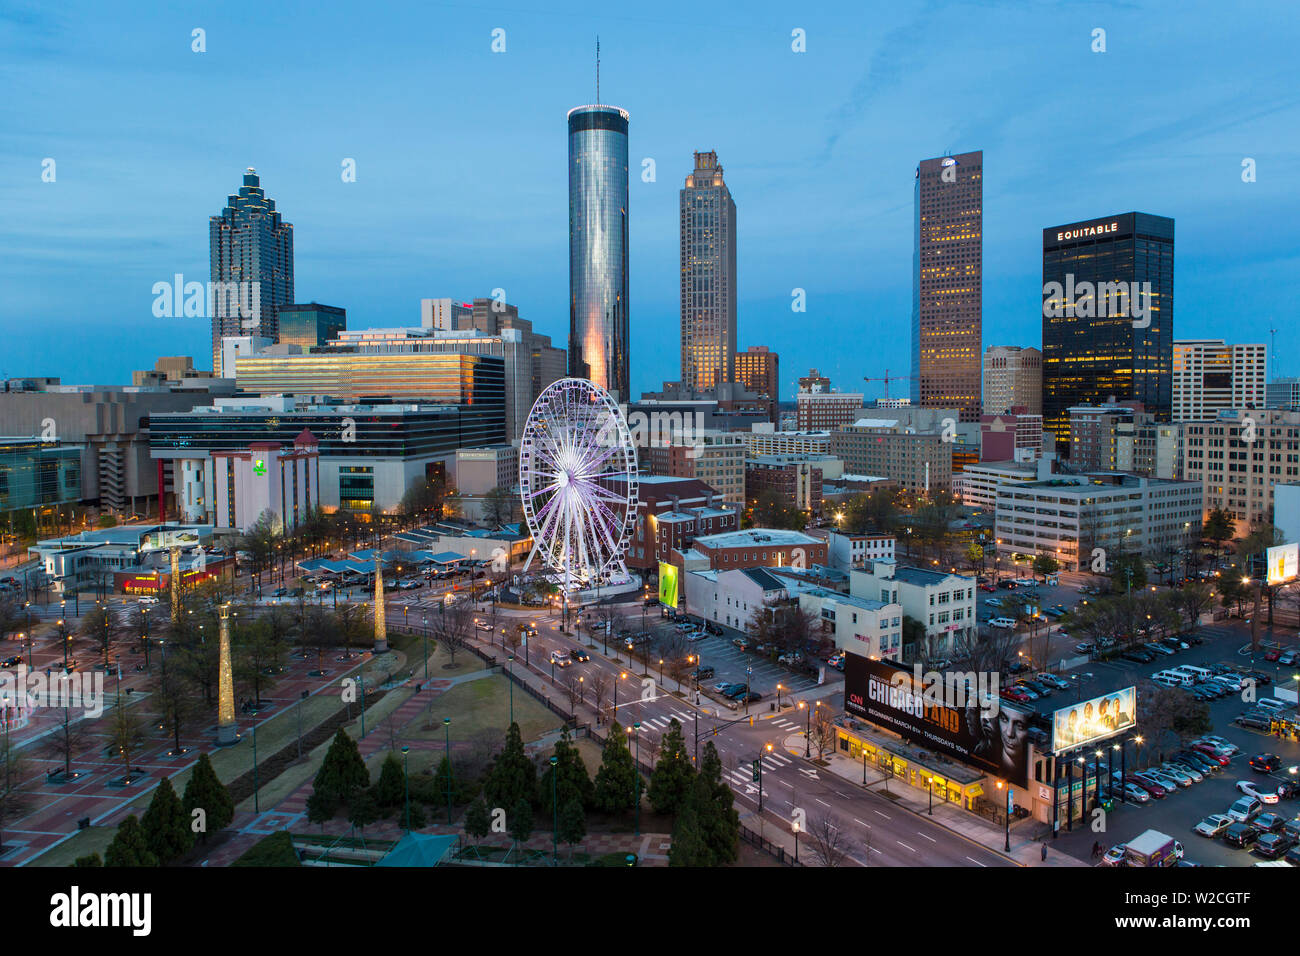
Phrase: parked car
(1017, 667)
(1152, 786)
(726, 688)
(1254, 720)
(1265, 763)
(1219, 753)
(1272, 654)
(992, 602)
(1289, 658)
(1221, 741)
(1015, 694)
(790, 660)
(1198, 760)
(1245, 810)
(1272, 845)
(1241, 835)
(1213, 825)
(1026, 690)
(1269, 822)
(1086, 647)
(1173, 643)
(1159, 648)
(1166, 778)
(1060, 683)
(753, 697)
(743, 643)
(1179, 766)
(1115, 855)
(11, 661)
(702, 673)
(987, 587)
(1261, 792)
(1138, 655)
(1131, 791)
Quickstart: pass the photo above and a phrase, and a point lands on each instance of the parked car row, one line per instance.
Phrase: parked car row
(1186, 767)
(1033, 688)
(1247, 826)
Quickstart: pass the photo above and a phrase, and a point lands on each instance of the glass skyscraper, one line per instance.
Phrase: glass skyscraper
(947, 283)
(248, 243)
(598, 288)
(1104, 337)
(708, 267)
(310, 324)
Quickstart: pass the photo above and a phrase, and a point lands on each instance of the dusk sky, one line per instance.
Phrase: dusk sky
(461, 160)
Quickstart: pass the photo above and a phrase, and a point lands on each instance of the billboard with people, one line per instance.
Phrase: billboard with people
(1086, 722)
(987, 734)
(1283, 563)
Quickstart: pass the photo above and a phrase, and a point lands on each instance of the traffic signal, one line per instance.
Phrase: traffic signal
(757, 765)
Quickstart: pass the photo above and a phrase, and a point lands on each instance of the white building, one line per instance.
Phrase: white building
(1068, 516)
(764, 439)
(267, 477)
(1210, 375)
(848, 550)
(730, 597)
(861, 625)
(1240, 457)
(1012, 376)
(979, 483)
(943, 602)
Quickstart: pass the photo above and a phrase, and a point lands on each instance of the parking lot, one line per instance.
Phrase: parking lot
(729, 663)
(1179, 812)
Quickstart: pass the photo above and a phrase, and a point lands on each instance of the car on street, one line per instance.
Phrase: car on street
(1213, 825)
(992, 602)
(1265, 763)
(561, 658)
(11, 661)
(1241, 835)
(1245, 810)
(483, 625)
(148, 599)
(1272, 845)
(1260, 791)
(743, 643)
(1269, 822)
(1115, 855)
(1131, 791)
(1289, 658)
(580, 655)
(1272, 654)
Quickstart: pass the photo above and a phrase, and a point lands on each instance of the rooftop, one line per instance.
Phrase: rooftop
(756, 537)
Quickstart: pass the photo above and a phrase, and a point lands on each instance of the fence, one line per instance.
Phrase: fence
(768, 847)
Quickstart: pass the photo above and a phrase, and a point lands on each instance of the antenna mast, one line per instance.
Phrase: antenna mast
(598, 70)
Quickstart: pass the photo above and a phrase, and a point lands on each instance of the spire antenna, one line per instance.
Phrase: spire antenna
(597, 69)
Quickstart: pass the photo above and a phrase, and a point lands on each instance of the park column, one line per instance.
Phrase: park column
(226, 730)
(381, 627)
(176, 584)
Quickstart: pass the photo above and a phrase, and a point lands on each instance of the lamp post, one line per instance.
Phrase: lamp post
(65, 639)
(511, 673)
(768, 748)
(446, 726)
(555, 813)
(1007, 817)
(406, 779)
(807, 737)
(635, 731)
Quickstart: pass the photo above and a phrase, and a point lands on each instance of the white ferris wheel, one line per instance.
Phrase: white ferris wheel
(578, 483)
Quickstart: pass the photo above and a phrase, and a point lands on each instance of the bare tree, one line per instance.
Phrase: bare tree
(822, 732)
(599, 690)
(829, 842)
(453, 626)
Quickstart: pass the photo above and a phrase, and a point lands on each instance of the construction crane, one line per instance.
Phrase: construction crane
(887, 379)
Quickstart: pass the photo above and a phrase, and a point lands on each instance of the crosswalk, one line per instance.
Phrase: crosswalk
(785, 724)
(661, 724)
(745, 778)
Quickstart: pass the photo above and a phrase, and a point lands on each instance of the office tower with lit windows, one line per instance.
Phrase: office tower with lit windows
(947, 283)
(248, 243)
(598, 247)
(1108, 317)
(1211, 375)
(708, 276)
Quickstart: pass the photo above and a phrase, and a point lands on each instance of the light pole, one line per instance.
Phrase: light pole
(510, 675)
(635, 730)
(304, 696)
(768, 748)
(807, 735)
(406, 779)
(555, 813)
(749, 672)
(1007, 818)
(446, 726)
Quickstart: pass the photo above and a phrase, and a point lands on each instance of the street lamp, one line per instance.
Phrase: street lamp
(406, 775)
(807, 736)
(768, 748)
(1006, 819)
(446, 726)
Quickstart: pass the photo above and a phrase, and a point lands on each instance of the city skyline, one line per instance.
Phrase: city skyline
(402, 233)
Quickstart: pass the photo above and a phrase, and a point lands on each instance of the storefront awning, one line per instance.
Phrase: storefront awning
(975, 790)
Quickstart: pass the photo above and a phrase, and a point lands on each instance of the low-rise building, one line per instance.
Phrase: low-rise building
(796, 480)
(943, 602)
(671, 513)
(753, 548)
(847, 550)
(919, 461)
(765, 439)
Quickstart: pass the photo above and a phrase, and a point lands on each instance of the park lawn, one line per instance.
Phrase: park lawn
(484, 703)
(81, 843)
(412, 648)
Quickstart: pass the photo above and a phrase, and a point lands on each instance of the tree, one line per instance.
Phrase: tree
(477, 822)
(671, 780)
(1128, 571)
(445, 782)
(259, 649)
(521, 820)
(205, 791)
(498, 506)
(125, 734)
(1046, 565)
(94, 859)
(572, 782)
(453, 626)
(513, 776)
(1193, 601)
(719, 821)
(689, 847)
(166, 830)
(363, 809)
(342, 773)
(98, 626)
(390, 791)
(829, 844)
(572, 824)
(174, 703)
(260, 542)
(14, 798)
(129, 846)
(1219, 527)
(616, 787)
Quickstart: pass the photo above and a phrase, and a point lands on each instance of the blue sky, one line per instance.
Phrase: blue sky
(461, 160)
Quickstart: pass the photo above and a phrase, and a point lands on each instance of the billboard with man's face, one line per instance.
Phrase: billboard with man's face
(993, 738)
(1091, 720)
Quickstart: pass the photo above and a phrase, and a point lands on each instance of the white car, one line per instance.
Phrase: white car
(1182, 777)
(1245, 810)
(1131, 791)
(1002, 622)
(1213, 825)
(1186, 768)
(1260, 793)
(992, 602)
(561, 658)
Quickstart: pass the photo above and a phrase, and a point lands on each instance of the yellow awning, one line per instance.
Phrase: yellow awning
(975, 790)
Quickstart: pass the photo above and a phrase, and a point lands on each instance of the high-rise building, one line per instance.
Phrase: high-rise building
(1211, 375)
(758, 369)
(310, 324)
(1012, 376)
(1108, 316)
(598, 247)
(947, 283)
(248, 243)
(1283, 393)
(1239, 457)
(708, 275)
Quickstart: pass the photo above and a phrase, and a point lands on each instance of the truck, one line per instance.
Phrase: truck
(1153, 848)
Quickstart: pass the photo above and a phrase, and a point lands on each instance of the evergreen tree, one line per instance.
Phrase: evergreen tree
(363, 809)
(391, 790)
(129, 847)
(342, 773)
(572, 780)
(91, 860)
(719, 821)
(572, 823)
(521, 820)
(616, 787)
(443, 781)
(671, 780)
(513, 775)
(689, 848)
(205, 790)
(166, 829)
(321, 807)
(477, 822)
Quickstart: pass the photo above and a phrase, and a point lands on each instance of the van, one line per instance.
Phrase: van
(1183, 677)
(1165, 680)
(1002, 622)
(1200, 673)
(1271, 703)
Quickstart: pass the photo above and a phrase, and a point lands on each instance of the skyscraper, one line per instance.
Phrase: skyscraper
(708, 262)
(947, 283)
(1013, 376)
(598, 287)
(248, 243)
(1108, 316)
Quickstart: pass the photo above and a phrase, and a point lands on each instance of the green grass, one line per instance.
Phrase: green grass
(82, 843)
(485, 703)
(274, 850)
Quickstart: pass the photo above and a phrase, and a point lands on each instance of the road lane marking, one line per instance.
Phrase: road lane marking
(822, 802)
(904, 845)
(977, 862)
(885, 815)
(930, 838)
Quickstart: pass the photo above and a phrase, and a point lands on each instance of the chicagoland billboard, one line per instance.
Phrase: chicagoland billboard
(993, 739)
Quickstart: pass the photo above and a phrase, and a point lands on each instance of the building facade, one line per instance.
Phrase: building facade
(598, 247)
(1209, 376)
(1108, 316)
(715, 458)
(758, 368)
(753, 548)
(1013, 376)
(310, 324)
(37, 474)
(765, 439)
(267, 478)
(944, 603)
(708, 275)
(795, 480)
(918, 461)
(947, 283)
(1239, 457)
(1283, 393)
(1015, 435)
(249, 243)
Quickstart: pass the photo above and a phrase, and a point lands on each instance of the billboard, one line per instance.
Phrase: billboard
(668, 585)
(1085, 723)
(995, 740)
(1283, 563)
